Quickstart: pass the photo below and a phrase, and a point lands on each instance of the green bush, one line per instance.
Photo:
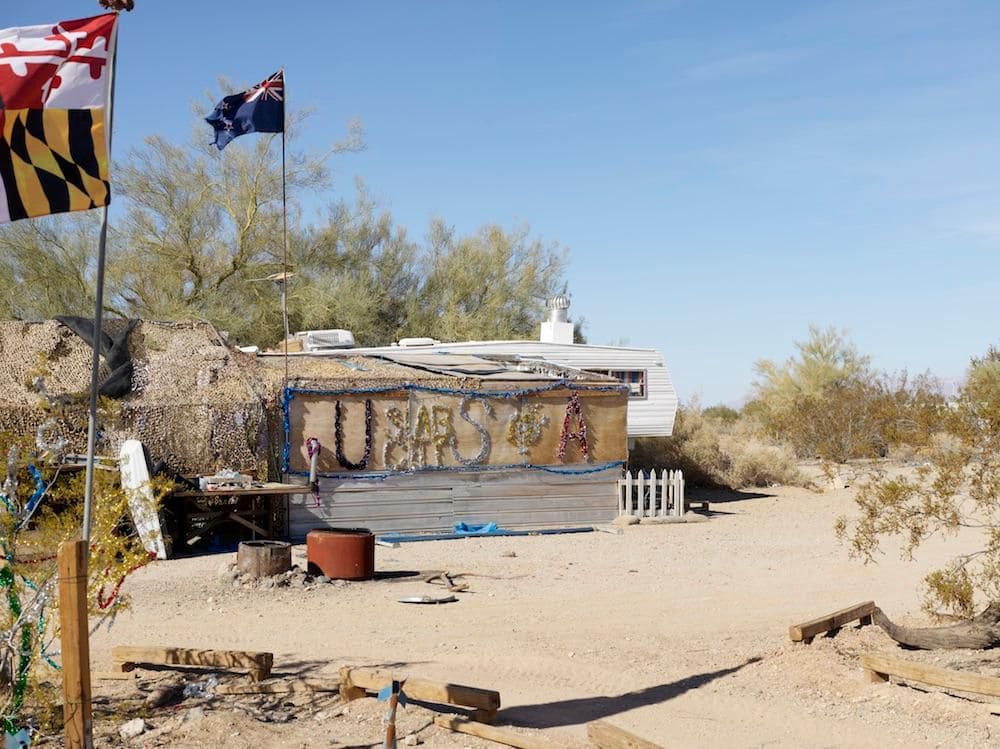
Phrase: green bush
(828, 403)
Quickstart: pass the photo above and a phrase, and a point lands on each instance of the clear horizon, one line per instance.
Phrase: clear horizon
(724, 174)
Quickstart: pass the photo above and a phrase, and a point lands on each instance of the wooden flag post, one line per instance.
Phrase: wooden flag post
(390, 724)
(75, 644)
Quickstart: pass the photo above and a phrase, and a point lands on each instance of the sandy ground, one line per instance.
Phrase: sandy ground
(675, 632)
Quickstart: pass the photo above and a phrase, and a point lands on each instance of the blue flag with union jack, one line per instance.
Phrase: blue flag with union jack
(260, 109)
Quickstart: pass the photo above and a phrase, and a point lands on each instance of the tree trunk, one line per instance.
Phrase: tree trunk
(982, 632)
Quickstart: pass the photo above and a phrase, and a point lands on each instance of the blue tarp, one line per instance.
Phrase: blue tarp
(473, 530)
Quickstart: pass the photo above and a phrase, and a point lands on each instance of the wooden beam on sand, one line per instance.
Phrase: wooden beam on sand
(606, 736)
(806, 631)
(504, 736)
(280, 687)
(372, 680)
(258, 665)
(879, 667)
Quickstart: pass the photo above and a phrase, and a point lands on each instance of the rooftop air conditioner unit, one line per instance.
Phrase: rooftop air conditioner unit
(325, 340)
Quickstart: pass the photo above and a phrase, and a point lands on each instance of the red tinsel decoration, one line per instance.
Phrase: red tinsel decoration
(574, 409)
(103, 602)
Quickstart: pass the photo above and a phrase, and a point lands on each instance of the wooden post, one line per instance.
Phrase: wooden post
(75, 643)
(390, 727)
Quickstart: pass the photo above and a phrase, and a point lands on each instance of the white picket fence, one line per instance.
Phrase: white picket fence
(638, 495)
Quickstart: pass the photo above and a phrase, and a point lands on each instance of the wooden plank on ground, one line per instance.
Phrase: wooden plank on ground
(126, 657)
(606, 736)
(280, 687)
(372, 680)
(883, 666)
(492, 733)
(808, 630)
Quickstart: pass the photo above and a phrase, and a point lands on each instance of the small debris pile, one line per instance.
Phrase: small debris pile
(296, 577)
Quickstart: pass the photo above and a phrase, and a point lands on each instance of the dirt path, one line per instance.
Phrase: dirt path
(676, 632)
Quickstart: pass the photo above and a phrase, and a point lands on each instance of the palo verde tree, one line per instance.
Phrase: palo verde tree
(492, 284)
(46, 266)
(357, 271)
(199, 232)
(958, 488)
(829, 402)
(203, 228)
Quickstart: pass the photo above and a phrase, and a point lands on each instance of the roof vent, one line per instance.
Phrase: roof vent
(558, 307)
(557, 328)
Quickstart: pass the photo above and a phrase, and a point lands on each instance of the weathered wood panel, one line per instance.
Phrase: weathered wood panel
(418, 429)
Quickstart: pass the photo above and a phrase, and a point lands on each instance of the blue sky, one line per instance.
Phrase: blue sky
(723, 173)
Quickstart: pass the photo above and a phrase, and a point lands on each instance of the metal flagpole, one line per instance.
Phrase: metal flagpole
(284, 222)
(95, 363)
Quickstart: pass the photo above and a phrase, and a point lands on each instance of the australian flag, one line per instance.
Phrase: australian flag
(261, 109)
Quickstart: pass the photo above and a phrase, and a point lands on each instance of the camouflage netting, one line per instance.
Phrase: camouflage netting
(324, 372)
(196, 404)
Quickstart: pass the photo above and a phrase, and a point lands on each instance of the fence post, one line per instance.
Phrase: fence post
(75, 644)
(628, 492)
(641, 491)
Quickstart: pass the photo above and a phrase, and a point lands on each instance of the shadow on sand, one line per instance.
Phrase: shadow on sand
(586, 709)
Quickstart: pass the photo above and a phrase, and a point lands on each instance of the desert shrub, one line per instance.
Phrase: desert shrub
(958, 486)
(829, 403)
(754, 461)
(693, 448)
(721, 413)
(712, 454)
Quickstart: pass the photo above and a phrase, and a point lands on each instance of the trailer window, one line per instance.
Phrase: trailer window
(634, 378)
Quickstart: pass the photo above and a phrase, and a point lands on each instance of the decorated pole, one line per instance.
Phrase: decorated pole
(260, 109)
(95, 362)
(284, 228)
(56, 84)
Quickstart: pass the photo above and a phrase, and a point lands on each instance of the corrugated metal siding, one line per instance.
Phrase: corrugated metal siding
(513, 499)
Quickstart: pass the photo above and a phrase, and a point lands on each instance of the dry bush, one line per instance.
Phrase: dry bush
(714, 454)
(755, 462)
(958, 487)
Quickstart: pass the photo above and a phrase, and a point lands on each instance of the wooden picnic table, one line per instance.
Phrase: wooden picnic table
(261, 509)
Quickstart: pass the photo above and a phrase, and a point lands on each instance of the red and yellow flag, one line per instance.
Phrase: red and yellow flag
(54, 89)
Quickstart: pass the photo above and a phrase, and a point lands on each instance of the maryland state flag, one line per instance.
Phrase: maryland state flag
(54, 84)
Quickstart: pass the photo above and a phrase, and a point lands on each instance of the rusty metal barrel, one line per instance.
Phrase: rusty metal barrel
(341, 553)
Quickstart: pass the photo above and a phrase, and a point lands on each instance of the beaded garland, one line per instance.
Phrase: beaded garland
(484, 436)
(524, 428)
(574, 410)
(423, 435)
(400, 438)
(397, 437)
(338, 434)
